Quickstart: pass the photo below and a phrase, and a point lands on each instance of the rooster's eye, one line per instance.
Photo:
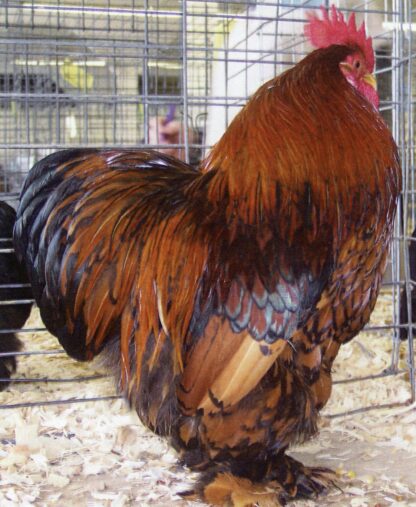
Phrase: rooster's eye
(357, 64)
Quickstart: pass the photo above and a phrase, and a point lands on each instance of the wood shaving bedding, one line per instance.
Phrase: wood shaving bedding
(97, 454)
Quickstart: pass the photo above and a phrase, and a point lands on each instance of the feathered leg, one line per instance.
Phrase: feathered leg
(268, 483)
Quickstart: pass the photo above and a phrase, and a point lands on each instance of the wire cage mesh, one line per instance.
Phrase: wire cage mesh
(78, 73)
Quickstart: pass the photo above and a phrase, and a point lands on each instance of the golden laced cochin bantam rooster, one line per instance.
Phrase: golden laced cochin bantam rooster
(221, 296)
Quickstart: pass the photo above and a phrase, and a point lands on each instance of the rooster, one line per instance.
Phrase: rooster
(12, 287)
(220, 297)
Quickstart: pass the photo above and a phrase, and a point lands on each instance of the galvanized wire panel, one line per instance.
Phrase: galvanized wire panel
(78, 73)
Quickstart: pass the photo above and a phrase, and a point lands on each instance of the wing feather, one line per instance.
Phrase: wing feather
(242, 340)
(241, 374)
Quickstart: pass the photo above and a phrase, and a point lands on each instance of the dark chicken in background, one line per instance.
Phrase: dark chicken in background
(221, 296)
(404, 331)
(12, 316)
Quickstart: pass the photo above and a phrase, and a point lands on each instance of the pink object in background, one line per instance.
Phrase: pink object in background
(168, 131)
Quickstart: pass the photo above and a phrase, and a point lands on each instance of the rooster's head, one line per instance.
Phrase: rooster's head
(358, 66)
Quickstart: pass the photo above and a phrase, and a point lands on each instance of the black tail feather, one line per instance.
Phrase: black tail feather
(403, 317)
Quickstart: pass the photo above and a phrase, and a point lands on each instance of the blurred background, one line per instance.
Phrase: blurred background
(92, 73)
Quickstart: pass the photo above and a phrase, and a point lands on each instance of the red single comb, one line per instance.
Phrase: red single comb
(333, 29)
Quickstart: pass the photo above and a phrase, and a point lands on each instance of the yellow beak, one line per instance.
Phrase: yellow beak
(371, 80)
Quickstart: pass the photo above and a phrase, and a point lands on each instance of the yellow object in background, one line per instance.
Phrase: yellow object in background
(76, 76)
